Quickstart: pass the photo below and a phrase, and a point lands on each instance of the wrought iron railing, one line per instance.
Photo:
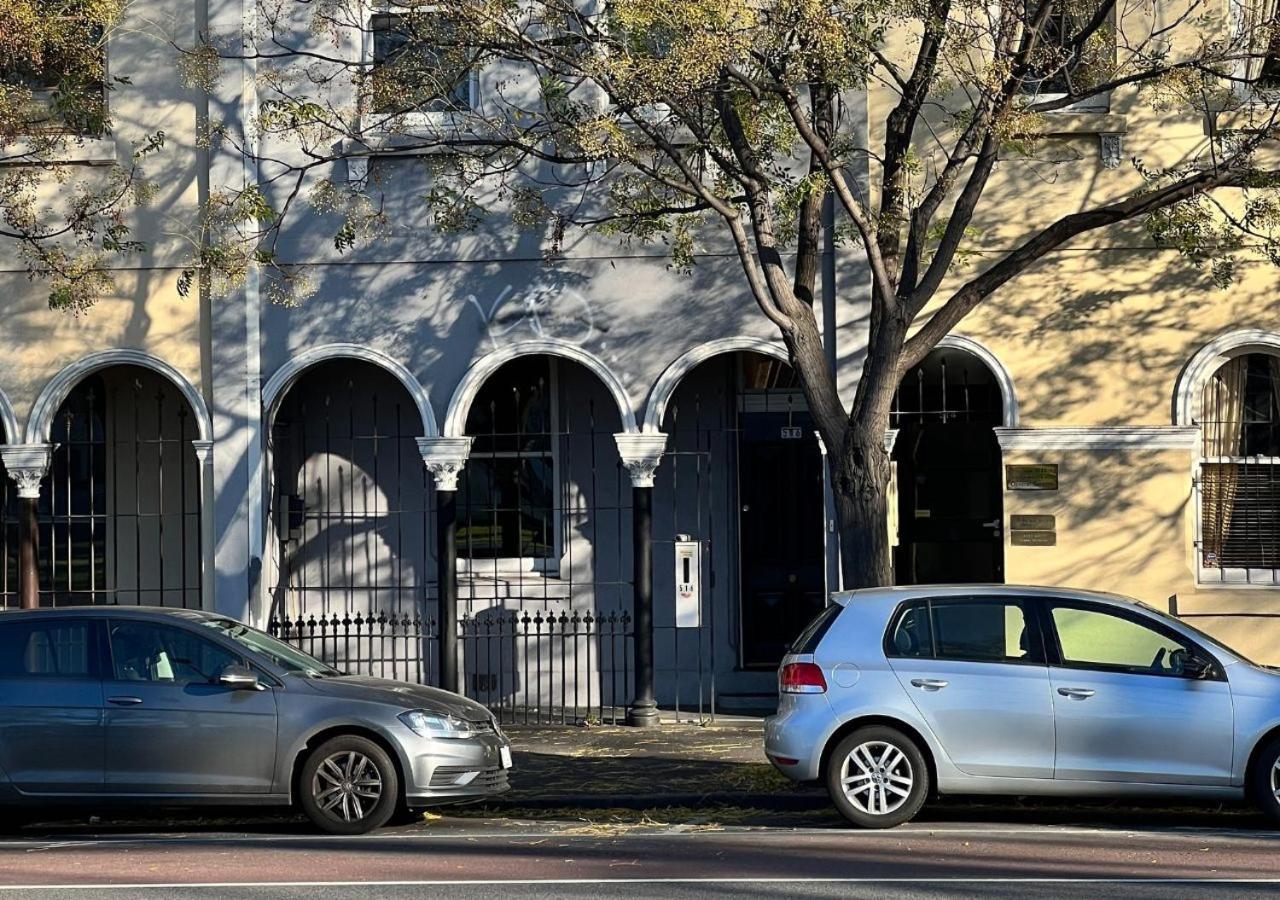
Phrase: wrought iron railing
(527, 667)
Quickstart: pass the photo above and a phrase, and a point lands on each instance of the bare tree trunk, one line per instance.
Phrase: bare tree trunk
(860, 481)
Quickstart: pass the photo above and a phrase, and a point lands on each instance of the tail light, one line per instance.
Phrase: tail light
(801, 678)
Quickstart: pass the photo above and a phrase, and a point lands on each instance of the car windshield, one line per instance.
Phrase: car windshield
(291, 659)
(1186, 626)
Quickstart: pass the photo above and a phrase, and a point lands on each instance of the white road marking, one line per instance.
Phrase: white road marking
(569, 882)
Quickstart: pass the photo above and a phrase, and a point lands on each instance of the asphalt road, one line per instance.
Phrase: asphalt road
(644, 857)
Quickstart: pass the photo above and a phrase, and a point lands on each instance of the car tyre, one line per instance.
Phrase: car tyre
(877, 777)
(1264, 780)
(349, 785)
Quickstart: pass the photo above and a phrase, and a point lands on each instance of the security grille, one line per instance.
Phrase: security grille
(1238, 484)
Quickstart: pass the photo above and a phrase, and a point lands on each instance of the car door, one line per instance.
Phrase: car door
(974, 667)
(171, 728)
(51, 715)
(1123, 710)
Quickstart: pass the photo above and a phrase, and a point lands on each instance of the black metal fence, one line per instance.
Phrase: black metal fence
(529, 668)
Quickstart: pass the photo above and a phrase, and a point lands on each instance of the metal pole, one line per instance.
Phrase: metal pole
(28, 553)
(447, 577)
(644, 709)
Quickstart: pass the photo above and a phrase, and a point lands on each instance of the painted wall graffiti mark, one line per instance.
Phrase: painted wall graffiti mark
(542, 312)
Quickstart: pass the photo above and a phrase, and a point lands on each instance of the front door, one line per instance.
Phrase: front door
(781, 519)
(975, 670)
(1122, 708)
(171, 728)
(950, 504)
(51, 731)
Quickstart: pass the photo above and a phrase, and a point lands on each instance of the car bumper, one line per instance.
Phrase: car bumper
(441, 770)
(795, 737)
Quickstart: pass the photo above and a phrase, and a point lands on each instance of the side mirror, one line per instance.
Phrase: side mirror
(238, 678)
(1196, 666)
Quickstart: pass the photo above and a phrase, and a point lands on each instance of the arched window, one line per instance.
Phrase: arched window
(1239, 478)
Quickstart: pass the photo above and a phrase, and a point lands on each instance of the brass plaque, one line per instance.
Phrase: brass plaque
(1037, 477)
(1033, 538)
(1033, 523)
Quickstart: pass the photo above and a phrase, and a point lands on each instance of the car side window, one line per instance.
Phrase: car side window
(50, 649)
(912, 637)
(983, 631)
(146, 651)
(1093, 637)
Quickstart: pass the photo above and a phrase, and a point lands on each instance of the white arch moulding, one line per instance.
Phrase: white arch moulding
(8, 421)
(59, 387)
(665, 387)
(1186, 397)
(997, 369)
(455, 422)
(287, 375)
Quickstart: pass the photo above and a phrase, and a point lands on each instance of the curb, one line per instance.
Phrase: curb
(799, 802)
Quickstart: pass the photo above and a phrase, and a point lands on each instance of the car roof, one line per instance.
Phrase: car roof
(1023, 591)
(98, 611)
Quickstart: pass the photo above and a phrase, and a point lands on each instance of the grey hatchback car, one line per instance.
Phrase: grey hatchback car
(121, 705)
(893, 695)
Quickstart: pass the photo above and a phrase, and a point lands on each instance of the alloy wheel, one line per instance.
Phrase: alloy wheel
(877, 778)
(1275, 780)
(347, 785)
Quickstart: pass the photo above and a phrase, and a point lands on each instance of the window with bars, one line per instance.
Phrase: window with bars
(1239, 477)
(414, 70)
(506, 508)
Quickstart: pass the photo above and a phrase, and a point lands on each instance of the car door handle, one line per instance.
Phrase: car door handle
(1076, 693)
(125, 701)
(929, 684)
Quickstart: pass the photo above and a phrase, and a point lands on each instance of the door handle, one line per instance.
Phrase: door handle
(1076, 693)
(125, 701)
(929, 684)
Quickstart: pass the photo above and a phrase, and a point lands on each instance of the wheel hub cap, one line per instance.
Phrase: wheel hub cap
(877, 778)
(347, 786)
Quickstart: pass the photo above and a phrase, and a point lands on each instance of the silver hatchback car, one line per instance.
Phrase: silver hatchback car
(119, 705)
(896, 694)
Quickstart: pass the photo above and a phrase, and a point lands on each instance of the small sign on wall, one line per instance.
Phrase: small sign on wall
(688, 584)
(792, 432)
(1033, 538)
(1036, 477)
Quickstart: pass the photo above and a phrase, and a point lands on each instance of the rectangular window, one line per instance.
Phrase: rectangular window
(60, 81)
(416, 67)
(1239, 478)
(984, 630)
(50, 649)
(1064, 63)
(507, 490)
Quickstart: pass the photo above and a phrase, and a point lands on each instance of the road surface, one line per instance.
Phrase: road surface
(997, 854)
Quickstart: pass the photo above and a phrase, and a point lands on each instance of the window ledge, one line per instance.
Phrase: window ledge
(403, 135)
(74, 151)
(1238, 579)
(508, 569)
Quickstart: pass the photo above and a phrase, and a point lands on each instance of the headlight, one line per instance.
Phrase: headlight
(435, 725)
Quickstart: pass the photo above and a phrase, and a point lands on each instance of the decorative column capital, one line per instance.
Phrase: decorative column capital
(204, 451)
(444, 458)
(27, 465)
(641, 454)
